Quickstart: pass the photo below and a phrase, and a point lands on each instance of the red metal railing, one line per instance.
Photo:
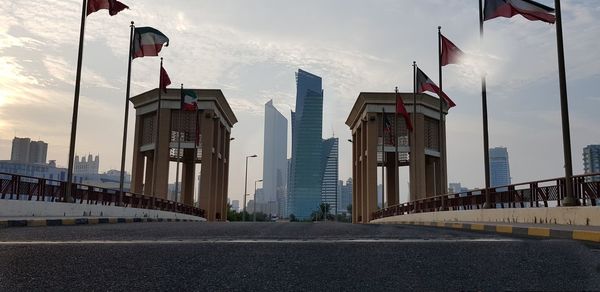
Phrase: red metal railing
(523, 195)
(18, 187)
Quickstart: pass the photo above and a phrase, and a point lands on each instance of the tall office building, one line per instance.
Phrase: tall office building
(26, 151)
(38, 150)
(275, 164)
(591, 161)
(20, 150)
(304, 187)
(329, 184)
(499, 167)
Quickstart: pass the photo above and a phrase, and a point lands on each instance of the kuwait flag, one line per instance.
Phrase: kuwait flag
(426, 84)
(401, 109)
(189, 100)
(451, 54)
(148, 41)
(509, 8)
(113, 6)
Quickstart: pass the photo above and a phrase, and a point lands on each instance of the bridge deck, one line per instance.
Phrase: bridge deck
(288, 256)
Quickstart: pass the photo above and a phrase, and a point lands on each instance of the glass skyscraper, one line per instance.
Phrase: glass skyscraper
(591, 161)
(329, 187)
(275, 163)
(499, 167)
(304, 187)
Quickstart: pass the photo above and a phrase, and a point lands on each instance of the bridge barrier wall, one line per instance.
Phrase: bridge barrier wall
(557, 215)
(20, 208)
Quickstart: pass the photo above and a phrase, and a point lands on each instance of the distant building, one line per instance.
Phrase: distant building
(26, 151)
(591, 161)
(499, 167)
(171, 191)
(20, 150)
(235, 205)
(47, 171)
(455, 188)
(275, 163)
(345, 196)
(86, 167)
(38, 150)
(304, 188)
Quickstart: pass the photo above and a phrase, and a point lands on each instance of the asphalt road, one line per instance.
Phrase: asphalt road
(286, 257)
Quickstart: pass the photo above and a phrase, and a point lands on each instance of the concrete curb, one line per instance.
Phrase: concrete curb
(532, 232)
(83, 221)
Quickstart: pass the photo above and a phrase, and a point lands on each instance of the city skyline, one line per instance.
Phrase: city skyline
(360, 50)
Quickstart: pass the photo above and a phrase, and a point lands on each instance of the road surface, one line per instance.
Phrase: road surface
(287, 257)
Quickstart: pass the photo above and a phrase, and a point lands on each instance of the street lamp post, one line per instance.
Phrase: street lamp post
(254, 205)
(246, 186)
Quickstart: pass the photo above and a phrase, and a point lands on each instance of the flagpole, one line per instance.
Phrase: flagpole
(569, 200)
(156, 138)
(414, 143)
(442, 125)
(124, 147)
(68, 195)
(396, 187)
(486, 144)
(178, 146)
(382, 156)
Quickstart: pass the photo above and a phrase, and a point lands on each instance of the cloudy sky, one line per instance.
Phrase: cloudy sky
(250, 50)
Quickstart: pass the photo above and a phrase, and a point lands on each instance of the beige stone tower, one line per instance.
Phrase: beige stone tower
(205, 137)
(421, 150)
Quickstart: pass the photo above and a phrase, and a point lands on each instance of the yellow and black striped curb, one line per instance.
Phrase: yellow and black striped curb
(535, 232)
(83, 221)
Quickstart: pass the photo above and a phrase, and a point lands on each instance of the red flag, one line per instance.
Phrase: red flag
(164, 79)
(527, 8)
(451, 54)
(113, 6)
(401, 109)
(426, 84)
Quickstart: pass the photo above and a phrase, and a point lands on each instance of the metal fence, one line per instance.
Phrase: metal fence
(543, 193)
(18, 187)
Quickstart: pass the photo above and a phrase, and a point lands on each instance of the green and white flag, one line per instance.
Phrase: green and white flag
(148, 41)
(189, 100)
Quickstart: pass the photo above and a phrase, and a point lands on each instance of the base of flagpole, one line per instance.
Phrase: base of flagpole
(488, 205)
(569, 202)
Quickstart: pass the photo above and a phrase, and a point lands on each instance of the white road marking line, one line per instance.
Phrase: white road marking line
(250, 241)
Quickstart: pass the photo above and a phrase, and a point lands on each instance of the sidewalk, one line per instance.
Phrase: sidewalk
(574, 232)
(62, 221)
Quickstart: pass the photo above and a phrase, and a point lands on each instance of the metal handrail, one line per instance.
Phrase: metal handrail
(521, 195)
(18, 186)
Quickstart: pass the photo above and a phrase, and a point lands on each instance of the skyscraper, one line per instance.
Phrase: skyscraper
(591, 161)
(26, 151)
(329, 187)
(38, 150)
(304, 187)
(20, 150)
(275, 163)
(499, 167)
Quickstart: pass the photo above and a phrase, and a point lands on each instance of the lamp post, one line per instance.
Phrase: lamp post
(246, 186)
(254, 205)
